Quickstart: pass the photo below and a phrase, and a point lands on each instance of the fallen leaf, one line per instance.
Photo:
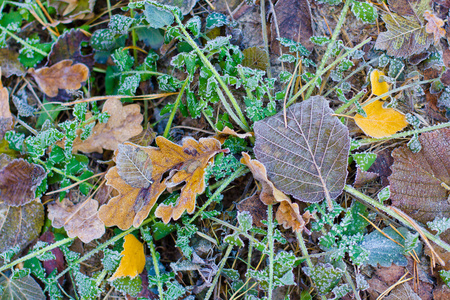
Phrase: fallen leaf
(403, 7)
(378, 88)
(403, 291)
(308, 158)
(80, 220)
(255, 58)
(434, 25)
(133, 259)
(58, 263)
(293, 21)
(19, 180)
(380, 122)
(363, 177)
(20, 225)
(405, 35)
(21, 288)
(185, 163)
(255, 207)
(62, 75)
(73, 9)
(288, 214)
(124, 123)
(10, 64)
(6, 119)
(419, 181)
(227, 131)
(382, 166)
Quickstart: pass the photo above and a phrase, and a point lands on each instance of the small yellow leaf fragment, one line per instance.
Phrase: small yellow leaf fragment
(133, 258)
(380, 122)
(378, 88)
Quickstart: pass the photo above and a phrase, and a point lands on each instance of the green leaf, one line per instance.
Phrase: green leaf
(157, 17)
(445, 275)
(127, 285)
(111, 260)
(384, 194)
(340, 291)
(161, 230)
(36, 145)
(150, 36)
(364, 160)
(194, 25)
(365, 12)
(440, 224)
(86, 286)
(15, 140)
(320, 40)
(411, 242)
(120, 24)
(324, 276)
(28, 57)
(8, 254)
(79, 111)
(184, 235)
(215, 20)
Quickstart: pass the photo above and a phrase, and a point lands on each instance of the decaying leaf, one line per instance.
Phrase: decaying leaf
(419, 181)
(288, 214)
(73, 9)
(10, 64)
(405, 35)
(228, 131)
(80, 220)
(133, 258)
(62, 75)
(20, 225)
(380, 122)
(434, 25)
(124, 123)
(255, 58)
(139, 192)
(19, 180)
(6, 119)
(255, 207)
(21, 288)
(308, 158)
(363, 177)
(378, 88)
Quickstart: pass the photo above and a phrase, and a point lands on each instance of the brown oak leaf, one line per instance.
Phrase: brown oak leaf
(124, 123)
(80, 220)
(434, 25)
(419, 181)
(19, 180)
(288, 214)
(6, 119)
(62, 75)
(139, 188)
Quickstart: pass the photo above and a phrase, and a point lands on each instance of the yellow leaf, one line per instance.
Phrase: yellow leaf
(133, 258)
(378, 88)
(380, 122)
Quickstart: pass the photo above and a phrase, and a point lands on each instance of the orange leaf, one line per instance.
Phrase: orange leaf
(378, 88)
(6, 119)
(380, 122)
(133, 258)
(138, 177)
(62, 75)
(434, 26)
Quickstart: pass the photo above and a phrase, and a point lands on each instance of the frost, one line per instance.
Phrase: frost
(365, 12)
(384, 194)
(111, 259)
(21, 103)
(414, 144)
(439, 224)
(87, 287)
(157, 17)
(284, 262)
(48, 255)
(287, 58)
(9, 254)
(194, 25)
(129, 85)
(245, 220)
(340, 291)
(127, 285)
(185, 234)
(324, 276)
(320, 40)
(120, 24)
(364, 160)
(174, 290)
(215, 20)
(444, 99)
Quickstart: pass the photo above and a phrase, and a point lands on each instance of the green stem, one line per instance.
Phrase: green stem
(264, 34)
(228, 108)
(133, 39)
(155, 265)
(98, 70)
(405, 134)
(216, 278)
(36, 253)
(216, 74)
(349, 280)
(336, 32)
(230, 179)
(271, 248)
(329, 67)
(235, 229)
(174, 109)
(108, 4)
(352, 191)
(21, 41)
(137, 72)
(343, 107)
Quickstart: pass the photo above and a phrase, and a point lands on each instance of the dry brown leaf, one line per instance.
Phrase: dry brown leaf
(255, 207)
(434, 25)
(19, 180)
(288, 214)
(363, 177)
(80, 220)
(62, 75)
(184, 163)
(124, 123)
(10, 64)
(419, 181)
(6, 119)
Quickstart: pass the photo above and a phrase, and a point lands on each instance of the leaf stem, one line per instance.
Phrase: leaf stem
(336, 32)
(156, 267)
(24, 43)
(352, 191)
(271, 248)
(216, 277)
(174, 109)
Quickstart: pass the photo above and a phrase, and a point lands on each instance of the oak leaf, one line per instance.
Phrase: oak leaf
(419, 181)
(62, 75)
(6, 119)
(434, 26)
(19, 180)
(378, 88)
(380, 122)
(288, 214)
(80, 220)
(139, 192)
(124, 123)
(133, 258)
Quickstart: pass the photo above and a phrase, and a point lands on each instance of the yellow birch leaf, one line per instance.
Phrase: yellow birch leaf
(133, 258)
(380, 122)
(378, 88)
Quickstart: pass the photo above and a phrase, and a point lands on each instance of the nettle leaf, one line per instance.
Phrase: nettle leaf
(215, 20)
(120, 24)
(439, 224)
(184, 235)
(157, 17)
(22, 288)
(405, 35)
(8, 254)
(245, 220)
(365, 12)
(308, 158)
(86, 286)
(128, 286)
(445, 275)
(324, 276)
(320, 40)
(194, 25)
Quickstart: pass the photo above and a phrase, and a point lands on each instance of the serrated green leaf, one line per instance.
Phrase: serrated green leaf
(324, 276)
(215, 20)
(365, 12)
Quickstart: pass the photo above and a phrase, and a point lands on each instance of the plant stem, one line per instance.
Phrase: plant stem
(336, 32)
(21, 41)
(133, 38)
(155, 265)
(216, 278)
(349, 280)
(264, 34)
(228, 108)
(174, 109)
(352, 191)
(271, 248)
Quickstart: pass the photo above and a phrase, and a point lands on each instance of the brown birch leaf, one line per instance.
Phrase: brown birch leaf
(419, 181)
(62, 75)
(308, 158)
(18, 182)
(80, 220)
(124, 123)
